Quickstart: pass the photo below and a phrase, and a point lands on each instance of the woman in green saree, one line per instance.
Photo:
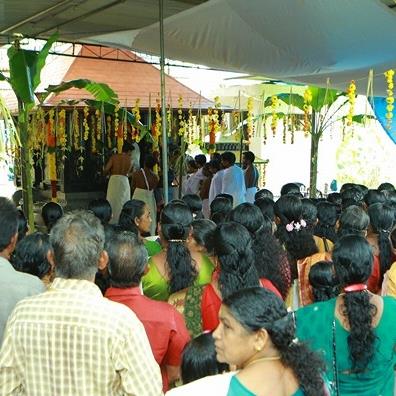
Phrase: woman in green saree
(355, 332)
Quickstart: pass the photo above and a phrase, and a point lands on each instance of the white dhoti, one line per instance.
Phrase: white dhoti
(147, 196)
(250, 193)
(118, 192)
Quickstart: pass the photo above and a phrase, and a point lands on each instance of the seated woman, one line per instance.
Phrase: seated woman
(33, 255)
(135, 216)
(220, 207)
(267, 252)
(173, 269)
(324, 231)
(51, 212)
(101, 208)
(323, 281)
(356, 332)
(194, 202)
(257, 335)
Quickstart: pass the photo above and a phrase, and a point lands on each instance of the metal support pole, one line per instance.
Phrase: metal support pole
(163, 105)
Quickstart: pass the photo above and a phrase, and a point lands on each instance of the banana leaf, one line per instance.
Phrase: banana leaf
(322, 97)
(287, 98)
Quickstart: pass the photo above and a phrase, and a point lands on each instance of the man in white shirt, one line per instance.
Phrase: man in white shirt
(216, 184)
(233, 179)
(194, 181)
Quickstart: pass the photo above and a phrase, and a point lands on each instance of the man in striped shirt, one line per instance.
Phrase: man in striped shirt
(70, 341)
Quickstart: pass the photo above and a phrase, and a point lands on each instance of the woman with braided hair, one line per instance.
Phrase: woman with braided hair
(235, 270)
(256, 335)
(173, 269)
(356, 331)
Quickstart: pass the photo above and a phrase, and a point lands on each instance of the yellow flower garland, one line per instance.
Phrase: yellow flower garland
(390, 98)
(250, 125)
(182, 125)
(274, 120)
(351, 93)
(307, 109)
(108, 124)
(93, 135)
(76, 130)
(190, 125)
(85, 123)
(51, 162)
(61, 131)
(98, 115)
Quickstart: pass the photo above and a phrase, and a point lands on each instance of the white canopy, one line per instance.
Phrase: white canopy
(304, 41)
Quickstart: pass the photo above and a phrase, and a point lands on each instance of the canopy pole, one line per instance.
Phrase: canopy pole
(163, 105)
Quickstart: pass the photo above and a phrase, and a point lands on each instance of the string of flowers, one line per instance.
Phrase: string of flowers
(274, 120)
(98, 124)
(351, 93)
(136, 113)
(85, 123)
(216, 111)
(169, 119)
(182, 126)
(307, 109)
(284, 129)
(93, 135)
(390, 98)
(51, 153)
(61, 131)
(108, 123)
(190, 125)
(249, 121)
(76, 130)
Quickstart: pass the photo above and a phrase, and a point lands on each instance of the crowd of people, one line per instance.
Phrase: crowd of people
(244, 295)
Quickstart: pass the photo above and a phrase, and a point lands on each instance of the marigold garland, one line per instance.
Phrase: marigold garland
(76, 130)
(51, 163)
(190, 125)
(182, 124)
(169, 119)
(98, 115)
(93, 135)
(249, 121)
(116, 120)
(284, 130)
(109, 136)
(390, 98)
(61, 131)
(307, 109)
(351, 93)
(85, 123)
(136, 112)
(274, 120)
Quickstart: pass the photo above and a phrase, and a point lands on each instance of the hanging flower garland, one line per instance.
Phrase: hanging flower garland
(136, 128)
(390, 98)
(169, 119)
(98, 124)
(76, 130)
(51, 153)
(190, 137)
(61, 131)
(274, 120)
(351, 93)
(109, 135)
(182, 125)
(249, 121)
(93, 135)
(216, 112)
(307, 110)
(284, 129)
(85, 123)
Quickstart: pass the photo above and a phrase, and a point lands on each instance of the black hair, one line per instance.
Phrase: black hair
(327, 219)
(31, 255)
(374, 196)
(199, 359)
(249, 155)
(266, 205)
(132, 209)
(263, 193)
(290, 188)
(353, 261)
(150, 161)
(299, 243)
(266, 249)
(229, 157)
(219, 218)
(220, 205)
(386, 187)
(381, 221)
(127, 146)
(353, 221)
(227, 196)
(175, 223)
(51, 212)
(200, 160)
(309, 212)
(335, 198)
(101, 208)
(216, 164)
(194, 203)
(324, 282)
(233, 249)
(127, 259)
(8, 221)
(203, 232)
(347, 186)
(23, 227)
(257, 308)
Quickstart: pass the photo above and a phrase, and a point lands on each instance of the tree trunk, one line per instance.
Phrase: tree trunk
(26, 174)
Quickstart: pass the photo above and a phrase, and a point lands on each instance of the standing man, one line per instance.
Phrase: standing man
(165, 327)
(233, 179)
(71, 340)
(251, 175)
(194, 181)
(216, 184)
(119, 191)
(14, 285)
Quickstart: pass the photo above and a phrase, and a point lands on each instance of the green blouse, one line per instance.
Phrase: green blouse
(315, 326)
(238, 389)
(152, 247)
(156, 286)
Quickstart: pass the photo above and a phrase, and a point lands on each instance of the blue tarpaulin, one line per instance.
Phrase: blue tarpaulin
(380, 111)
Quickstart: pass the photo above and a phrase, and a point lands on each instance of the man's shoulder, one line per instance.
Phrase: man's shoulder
(11, 279)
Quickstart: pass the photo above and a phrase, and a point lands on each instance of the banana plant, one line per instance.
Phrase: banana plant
(324, 106)
(25, 72)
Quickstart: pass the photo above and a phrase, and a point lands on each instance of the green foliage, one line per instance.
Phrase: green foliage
(322, 97)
